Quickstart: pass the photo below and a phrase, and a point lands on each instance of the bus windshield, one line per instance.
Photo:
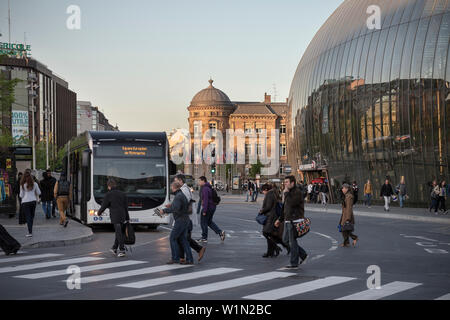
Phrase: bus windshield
(143, 179)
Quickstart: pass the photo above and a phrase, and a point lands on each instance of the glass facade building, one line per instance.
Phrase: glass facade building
(375, 103)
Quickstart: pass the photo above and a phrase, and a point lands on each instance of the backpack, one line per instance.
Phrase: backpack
(63, 188)
(215, 197)
(130, 237)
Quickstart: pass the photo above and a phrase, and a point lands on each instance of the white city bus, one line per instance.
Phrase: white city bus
(139, 163)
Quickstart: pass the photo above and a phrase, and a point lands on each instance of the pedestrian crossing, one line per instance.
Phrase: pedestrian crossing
(195, 280)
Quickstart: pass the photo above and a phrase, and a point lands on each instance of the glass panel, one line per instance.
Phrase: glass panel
(430, 47)
(386, 74)
(418, 9)
(398, 51)
(407, 51)
(371, 57)
(429, 7)
(357, 58)
(442, 47)
(401, 6)
(409, 9)
(418, 48)
(380, 55)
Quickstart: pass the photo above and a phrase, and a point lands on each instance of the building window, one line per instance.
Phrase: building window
(213, 126)
(259, 149)
(259, 128)
(196, 114)
(283, 150)
(282, 129)
(248, 127)
(248, 149)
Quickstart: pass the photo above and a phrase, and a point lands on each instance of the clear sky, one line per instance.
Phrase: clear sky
(142, 61)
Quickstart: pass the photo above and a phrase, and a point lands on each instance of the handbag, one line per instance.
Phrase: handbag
(301, 227)
(130, 237)
(347, 226)
(261, 219)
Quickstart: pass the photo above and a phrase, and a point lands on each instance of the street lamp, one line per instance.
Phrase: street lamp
(32, 93)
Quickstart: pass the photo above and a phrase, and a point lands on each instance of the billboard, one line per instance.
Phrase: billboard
(20, 131)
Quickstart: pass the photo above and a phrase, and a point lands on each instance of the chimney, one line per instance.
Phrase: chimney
(267, 98)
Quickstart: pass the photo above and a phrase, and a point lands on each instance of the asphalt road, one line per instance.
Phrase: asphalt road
(413, 259)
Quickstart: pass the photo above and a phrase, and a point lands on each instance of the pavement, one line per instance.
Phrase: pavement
(46, 233)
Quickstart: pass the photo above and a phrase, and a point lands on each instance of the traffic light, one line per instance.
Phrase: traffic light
(213, 168)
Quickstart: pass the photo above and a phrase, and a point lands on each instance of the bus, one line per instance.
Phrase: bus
(138, 162)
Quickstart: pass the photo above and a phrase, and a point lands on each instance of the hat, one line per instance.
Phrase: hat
(346, 185)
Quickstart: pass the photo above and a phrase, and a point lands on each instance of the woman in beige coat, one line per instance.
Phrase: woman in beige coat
(347, 215)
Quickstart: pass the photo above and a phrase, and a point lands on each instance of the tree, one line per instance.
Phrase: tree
(7, 97)
(255, 169)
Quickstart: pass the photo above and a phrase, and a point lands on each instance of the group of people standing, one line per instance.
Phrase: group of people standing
(438, 194)
(252, 191)
(48, 191)
(318, 193)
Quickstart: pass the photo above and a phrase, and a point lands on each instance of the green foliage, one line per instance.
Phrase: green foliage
(255, 169)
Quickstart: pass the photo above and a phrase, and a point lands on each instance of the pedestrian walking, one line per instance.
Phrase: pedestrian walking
(273, 235)
(63, 195)
(52, 182)
(29, 192)
(249, 190)
(347, 221)
(310, 190)
(368, 190)
(117, 203)
(386, 193)
(293, 210)
(22, 219)
(323, 193)
(443, 189)
(434, 195)
(208, 210)
(256, 192)
(355, 190)
(179, 233)
(400, 190)
(181, 179)
(47, 195)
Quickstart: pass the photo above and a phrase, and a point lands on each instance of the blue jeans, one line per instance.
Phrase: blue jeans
(206, 221)
(401, 199)
(180, 233)
(368, 199)
(255, 196)
(289, 238)
(47, 207)
(248, 194)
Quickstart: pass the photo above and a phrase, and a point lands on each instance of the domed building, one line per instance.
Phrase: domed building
(370, 103)
(211, 108)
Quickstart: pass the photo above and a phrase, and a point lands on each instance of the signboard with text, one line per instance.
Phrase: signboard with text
(20, 131)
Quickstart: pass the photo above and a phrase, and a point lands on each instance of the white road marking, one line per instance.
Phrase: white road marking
(47, 264)
(177, 278)
(444, 297)
(144, 296)
(18, 252)
(216, 286)
(137, 272)
(385, 291)
(82, 269)
(439, 251)
(298, 288)
(36, 256)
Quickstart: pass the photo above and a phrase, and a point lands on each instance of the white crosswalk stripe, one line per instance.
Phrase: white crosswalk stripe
(95, 267)
(47, 264)
(385, 291)
(298, 288)
(23, 258)
(137, 272)
(216, 286)
(18, 252)
(177, 278)
(444, 297)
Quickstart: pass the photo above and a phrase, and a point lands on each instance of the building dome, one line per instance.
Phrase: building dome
(210, 96)
(368, 101)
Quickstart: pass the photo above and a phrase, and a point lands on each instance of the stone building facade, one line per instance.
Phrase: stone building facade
(211, 108)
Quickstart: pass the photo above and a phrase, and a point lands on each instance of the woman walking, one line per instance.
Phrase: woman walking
(347, 221)
(401, 191)
(368, 193)
(273, 235)
(442, 196)
(29, 193)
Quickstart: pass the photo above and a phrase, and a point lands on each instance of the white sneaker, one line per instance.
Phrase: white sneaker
(29, 235)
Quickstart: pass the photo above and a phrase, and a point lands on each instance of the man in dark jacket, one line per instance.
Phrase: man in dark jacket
(293, 210)
(47, 188)
(117, 203)
(52, 182)
(208, 210)
(179, 234)
(386, 192)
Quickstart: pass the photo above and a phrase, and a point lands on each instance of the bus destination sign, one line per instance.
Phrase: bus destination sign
(135, 151)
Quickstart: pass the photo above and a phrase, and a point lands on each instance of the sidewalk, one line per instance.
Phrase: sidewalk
(46, 233)
(411, 214)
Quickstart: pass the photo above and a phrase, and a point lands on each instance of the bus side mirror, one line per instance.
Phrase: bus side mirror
(172, 168)
(86, 158)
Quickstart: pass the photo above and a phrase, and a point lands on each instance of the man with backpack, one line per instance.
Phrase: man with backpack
(63, 195)
(210, 200)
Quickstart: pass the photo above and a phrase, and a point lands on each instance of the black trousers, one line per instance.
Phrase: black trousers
(347, 235)
(192, 243)
(442, 203)
(119, 242)
(272, 242)
(29, 208)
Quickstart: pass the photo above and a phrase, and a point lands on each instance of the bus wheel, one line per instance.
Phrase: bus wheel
(152, 226)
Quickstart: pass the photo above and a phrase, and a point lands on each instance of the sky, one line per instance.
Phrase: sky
(142, 61)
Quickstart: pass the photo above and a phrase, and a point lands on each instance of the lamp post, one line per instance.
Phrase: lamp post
(32, 86)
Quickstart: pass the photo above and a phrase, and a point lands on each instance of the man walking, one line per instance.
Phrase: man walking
(386, 193)
(63, 195)
(208, 210)
(293, 210)
(117, 203)
(52, 182)
(323, 193)
(47, 189)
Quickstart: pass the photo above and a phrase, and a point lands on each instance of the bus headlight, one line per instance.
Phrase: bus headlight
(93, 212)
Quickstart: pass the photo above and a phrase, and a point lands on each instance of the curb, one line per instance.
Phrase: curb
(384, 215)
(60, 243)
